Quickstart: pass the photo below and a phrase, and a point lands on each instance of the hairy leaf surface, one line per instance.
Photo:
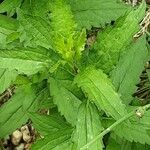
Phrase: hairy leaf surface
(36, 8)
(88, 126)
(47, 124)
(57, 31)
(8, 30)
(113, 41)
(66, 40)
(65, 100)
(117, 145)
(57, 141)
(9, 6)
(138, 146)
(144, 121)
(96, 13)
(100, 90)
(133, 132)
(35, 30)
(7, 23)
(131, 64)
(25, 60)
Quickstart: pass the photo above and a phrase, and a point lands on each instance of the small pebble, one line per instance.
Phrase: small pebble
(20, 147)
(26, 134)
(16, 137)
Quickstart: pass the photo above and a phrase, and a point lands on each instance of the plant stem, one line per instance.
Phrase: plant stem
(144, 108)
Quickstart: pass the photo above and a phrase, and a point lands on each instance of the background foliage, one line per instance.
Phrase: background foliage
(86, 89)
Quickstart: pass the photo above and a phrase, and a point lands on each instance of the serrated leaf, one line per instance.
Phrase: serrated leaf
(36, 8)
(112, 145)
(88, 126)
(100, 90)
(62, 19)
(57, 31)
(45, 101)
(46, 124)
(63, 97)
(39, 77)
(25, 60)
(111, 43)
(35, 30)
(144, 121)
(57, 141)
(66, 39)
(8, 27)
(133, 132)
(131, 64)
(9, 6)
(14, 112)
(138, 146)
(64, 72)
(8, 24)
(115, 145)
(96, 13)
(6, 78)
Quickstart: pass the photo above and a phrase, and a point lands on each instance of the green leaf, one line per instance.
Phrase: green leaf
(100, 90)
(137, 146)
(65, 100)
(35, 30)
(9, 6)
(13, 113)
(57, 141)
(8, 27)
(112, 145)
(6, 78)
(22, 79)
(57, 31)
(88, 126)
(131, 64)
(62, 19)
(66, 40)
(144, 121)
(115, 145)
(36, 8)
(43, 99)
(8, 24)
(96, 13)
(25, 60)
(133, 132)
(64, 72)
(47, 124)
(111, 43)
(47, 103)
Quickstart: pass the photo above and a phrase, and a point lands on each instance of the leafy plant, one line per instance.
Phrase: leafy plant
(86, 90)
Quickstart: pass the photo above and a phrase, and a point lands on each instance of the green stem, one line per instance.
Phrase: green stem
(144, 108)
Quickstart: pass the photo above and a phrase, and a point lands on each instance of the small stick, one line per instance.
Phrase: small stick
(137, 111)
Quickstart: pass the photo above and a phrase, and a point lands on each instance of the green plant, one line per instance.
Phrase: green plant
(87, 91)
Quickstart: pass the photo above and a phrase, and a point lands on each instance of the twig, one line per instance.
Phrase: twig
(134, 2)
(144, 25)
(139, 112)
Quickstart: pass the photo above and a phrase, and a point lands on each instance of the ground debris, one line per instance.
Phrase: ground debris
(21, 139)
